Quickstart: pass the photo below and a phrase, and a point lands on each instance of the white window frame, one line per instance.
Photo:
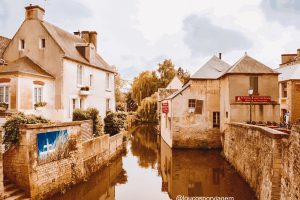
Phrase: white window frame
(5, 93)
(79, 74)
(107, 81)
(77, 105)
(41, 88)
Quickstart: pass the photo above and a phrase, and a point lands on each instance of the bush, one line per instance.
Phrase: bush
(11, 126)
(114, 122)
(90, 114)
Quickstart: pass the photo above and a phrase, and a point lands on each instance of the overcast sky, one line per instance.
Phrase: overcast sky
(135, 35)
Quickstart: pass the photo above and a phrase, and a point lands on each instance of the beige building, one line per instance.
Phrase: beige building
(245, 74)
(217, 93)
(289, 87)
(191, 116)
(50, 72)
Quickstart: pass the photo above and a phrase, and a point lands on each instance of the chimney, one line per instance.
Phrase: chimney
(286, 58)
(34, 12)
(93, 38)
(86, 36)
(77, 33)
(220, 56)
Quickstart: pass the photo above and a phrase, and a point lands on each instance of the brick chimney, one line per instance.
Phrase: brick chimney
(34, 12)
(286, 58)
(93, 38)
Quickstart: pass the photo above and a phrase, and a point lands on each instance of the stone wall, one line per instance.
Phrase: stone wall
(1, 165)
(256, 153)
(41, 180)
(86, 130)
(290, 181)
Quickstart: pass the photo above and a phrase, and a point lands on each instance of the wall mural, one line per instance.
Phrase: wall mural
(52, 145)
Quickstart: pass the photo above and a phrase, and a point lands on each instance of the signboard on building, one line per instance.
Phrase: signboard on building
(165, 107)
(252, 99)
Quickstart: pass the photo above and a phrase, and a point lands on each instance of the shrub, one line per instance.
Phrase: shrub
(90, 114)
(114, 122)
(11, 126)
(4, 105)
(40, 104)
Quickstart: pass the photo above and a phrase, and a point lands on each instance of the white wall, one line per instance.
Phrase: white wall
(98, 91)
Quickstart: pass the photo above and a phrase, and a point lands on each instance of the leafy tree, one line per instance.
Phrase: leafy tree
(131, 104)
(114, 122)
(184, 76)
(90, 114)
(144, 85)
(147, 111)
(11, 126)
(166, 72)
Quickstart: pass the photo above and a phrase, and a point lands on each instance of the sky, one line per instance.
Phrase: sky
(136, 35)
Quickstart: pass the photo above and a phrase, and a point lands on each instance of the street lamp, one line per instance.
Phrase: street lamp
(250, 93)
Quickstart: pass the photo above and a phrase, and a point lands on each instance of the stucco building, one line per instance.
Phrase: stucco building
(195, 116)
(48, 71)
(191, 116)
(289, 86)
(236, 104)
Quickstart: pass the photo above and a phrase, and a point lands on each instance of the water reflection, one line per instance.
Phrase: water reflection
(99, 186)
(151, 170)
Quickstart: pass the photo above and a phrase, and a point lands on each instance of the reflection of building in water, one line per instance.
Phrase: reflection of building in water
(200, 173)
(101, 185)
(144, 146)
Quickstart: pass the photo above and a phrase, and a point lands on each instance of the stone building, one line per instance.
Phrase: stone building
(289, 86)
(236, 104)
(216, 94)
(191, 116)
(48, 71)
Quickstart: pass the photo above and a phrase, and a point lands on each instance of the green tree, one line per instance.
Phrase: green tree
(144, 86)
(147, 111)
(130, 103)
(184, 76)
(120, 96)
(166, 71)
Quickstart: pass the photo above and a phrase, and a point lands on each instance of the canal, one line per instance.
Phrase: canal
(149, 169)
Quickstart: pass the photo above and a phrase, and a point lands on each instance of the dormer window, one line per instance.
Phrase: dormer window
(21, 44)
(42, 43)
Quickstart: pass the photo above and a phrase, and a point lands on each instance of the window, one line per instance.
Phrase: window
(107, 81)
(284, 90)
(192, 103)
(4, 92)
(79, 75)
(38, 94)
(21, 44)
(195, 106)
(216, 119)
(91, 80)
(42, 43)
(226, 114)
(107, 105)
(81, 103)
(74, 104)
(254, 84)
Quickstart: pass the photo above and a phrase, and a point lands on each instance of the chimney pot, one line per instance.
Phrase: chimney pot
(93, 38)
(34, 12)
(220, 56)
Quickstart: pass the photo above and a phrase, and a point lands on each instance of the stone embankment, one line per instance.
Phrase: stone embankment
(267, 159)
(85, 155)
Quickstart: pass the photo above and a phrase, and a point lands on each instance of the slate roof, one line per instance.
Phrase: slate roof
(212, 69)
(67, 42)
(248, 65)
(3, 44)
(25, 65)
(291, 72)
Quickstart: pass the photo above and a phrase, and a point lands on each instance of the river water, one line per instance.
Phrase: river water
(149, 170)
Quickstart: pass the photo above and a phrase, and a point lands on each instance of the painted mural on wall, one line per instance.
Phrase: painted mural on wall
(52, 145)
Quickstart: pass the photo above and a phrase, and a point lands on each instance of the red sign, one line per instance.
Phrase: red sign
(165, 107)
(253, 99)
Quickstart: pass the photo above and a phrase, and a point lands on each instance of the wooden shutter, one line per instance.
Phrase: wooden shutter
(199, 105)
(254, 84)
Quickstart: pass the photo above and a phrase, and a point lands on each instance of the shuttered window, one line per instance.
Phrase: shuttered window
(254, 84)
(4, 90)
(199, 105)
